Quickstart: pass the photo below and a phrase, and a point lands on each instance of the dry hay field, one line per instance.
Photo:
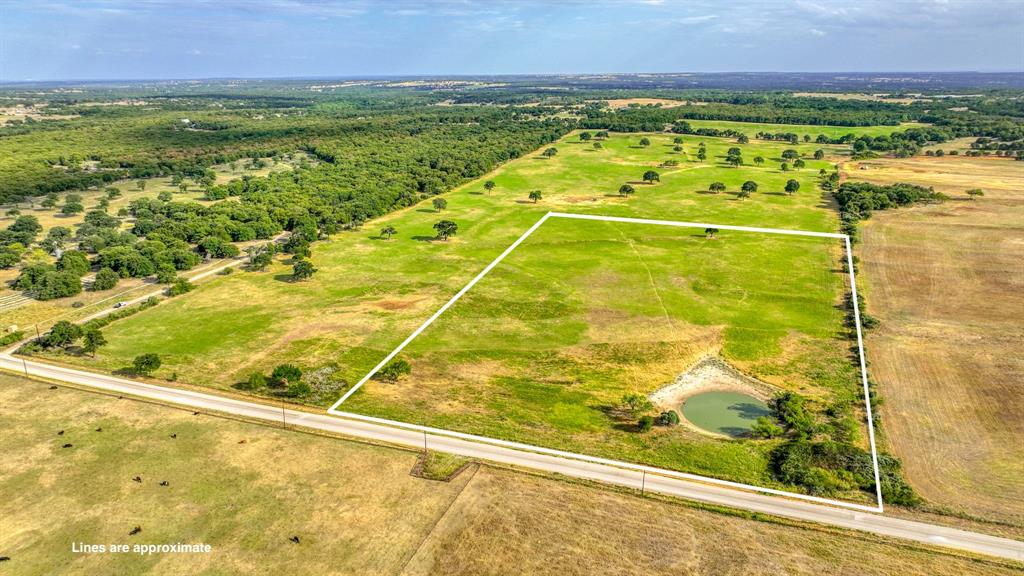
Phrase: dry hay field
(617, 103)
(245, 489)
(947, 283)
(506, 523)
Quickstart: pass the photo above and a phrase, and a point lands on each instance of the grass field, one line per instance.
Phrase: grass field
(355, 508)
(544, 348)
(370, 292)
(242, 488)
(947, 284)
(772, 309)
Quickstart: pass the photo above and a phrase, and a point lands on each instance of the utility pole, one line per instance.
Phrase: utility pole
(424, 442)
(38, 337)
(25, 364)
(643, 483)
(284, 422)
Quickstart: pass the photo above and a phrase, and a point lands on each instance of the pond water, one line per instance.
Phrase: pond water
(729, 413)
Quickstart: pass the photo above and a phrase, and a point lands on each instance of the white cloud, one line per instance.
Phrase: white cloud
(817, 32)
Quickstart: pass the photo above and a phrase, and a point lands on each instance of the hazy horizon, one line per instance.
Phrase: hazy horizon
(122, 40)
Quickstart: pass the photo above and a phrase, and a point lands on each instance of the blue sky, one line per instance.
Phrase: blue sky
(104, 39)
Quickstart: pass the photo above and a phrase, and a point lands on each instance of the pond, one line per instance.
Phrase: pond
(729, 413)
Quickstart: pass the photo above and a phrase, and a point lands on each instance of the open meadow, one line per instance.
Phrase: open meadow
(355, 508)
(545, 347)
(371, 291)
(774, 308)
(947, 283)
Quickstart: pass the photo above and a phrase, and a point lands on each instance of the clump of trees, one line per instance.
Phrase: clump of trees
(284, 380)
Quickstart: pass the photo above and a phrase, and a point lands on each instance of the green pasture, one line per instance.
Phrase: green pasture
(369, 292)
(767, 303)
(543, 349)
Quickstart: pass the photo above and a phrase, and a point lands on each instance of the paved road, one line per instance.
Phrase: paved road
(788, 508)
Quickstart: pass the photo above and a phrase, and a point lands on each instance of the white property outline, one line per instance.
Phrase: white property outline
(618, 463)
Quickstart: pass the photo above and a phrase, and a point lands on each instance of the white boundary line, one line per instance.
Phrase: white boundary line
(627, 465)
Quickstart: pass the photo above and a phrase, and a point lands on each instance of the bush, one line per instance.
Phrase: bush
(765, 428)
(283, 375)
(146, 364)
(255, 382)
(11, 337)
(670, 418)
(302, 270)
(393, 370)
(298, 389)
(180, 286)
(645, 423)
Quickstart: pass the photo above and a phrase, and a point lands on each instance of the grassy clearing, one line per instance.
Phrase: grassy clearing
(941, 280)
(242, 488)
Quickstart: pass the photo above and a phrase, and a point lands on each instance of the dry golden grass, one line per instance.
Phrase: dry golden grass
(507, 523)
(947, 283)
(242, 488)
(245, 489)
(665, 103)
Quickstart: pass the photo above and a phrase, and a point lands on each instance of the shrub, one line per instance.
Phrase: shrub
(765, 428)
(298, 389)
(670, 418)
(393, 370)
(302, 270)
(284, 374)
(181, 286)
(11, 337)
(256, 381)
(146, 364)
(645, 423)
